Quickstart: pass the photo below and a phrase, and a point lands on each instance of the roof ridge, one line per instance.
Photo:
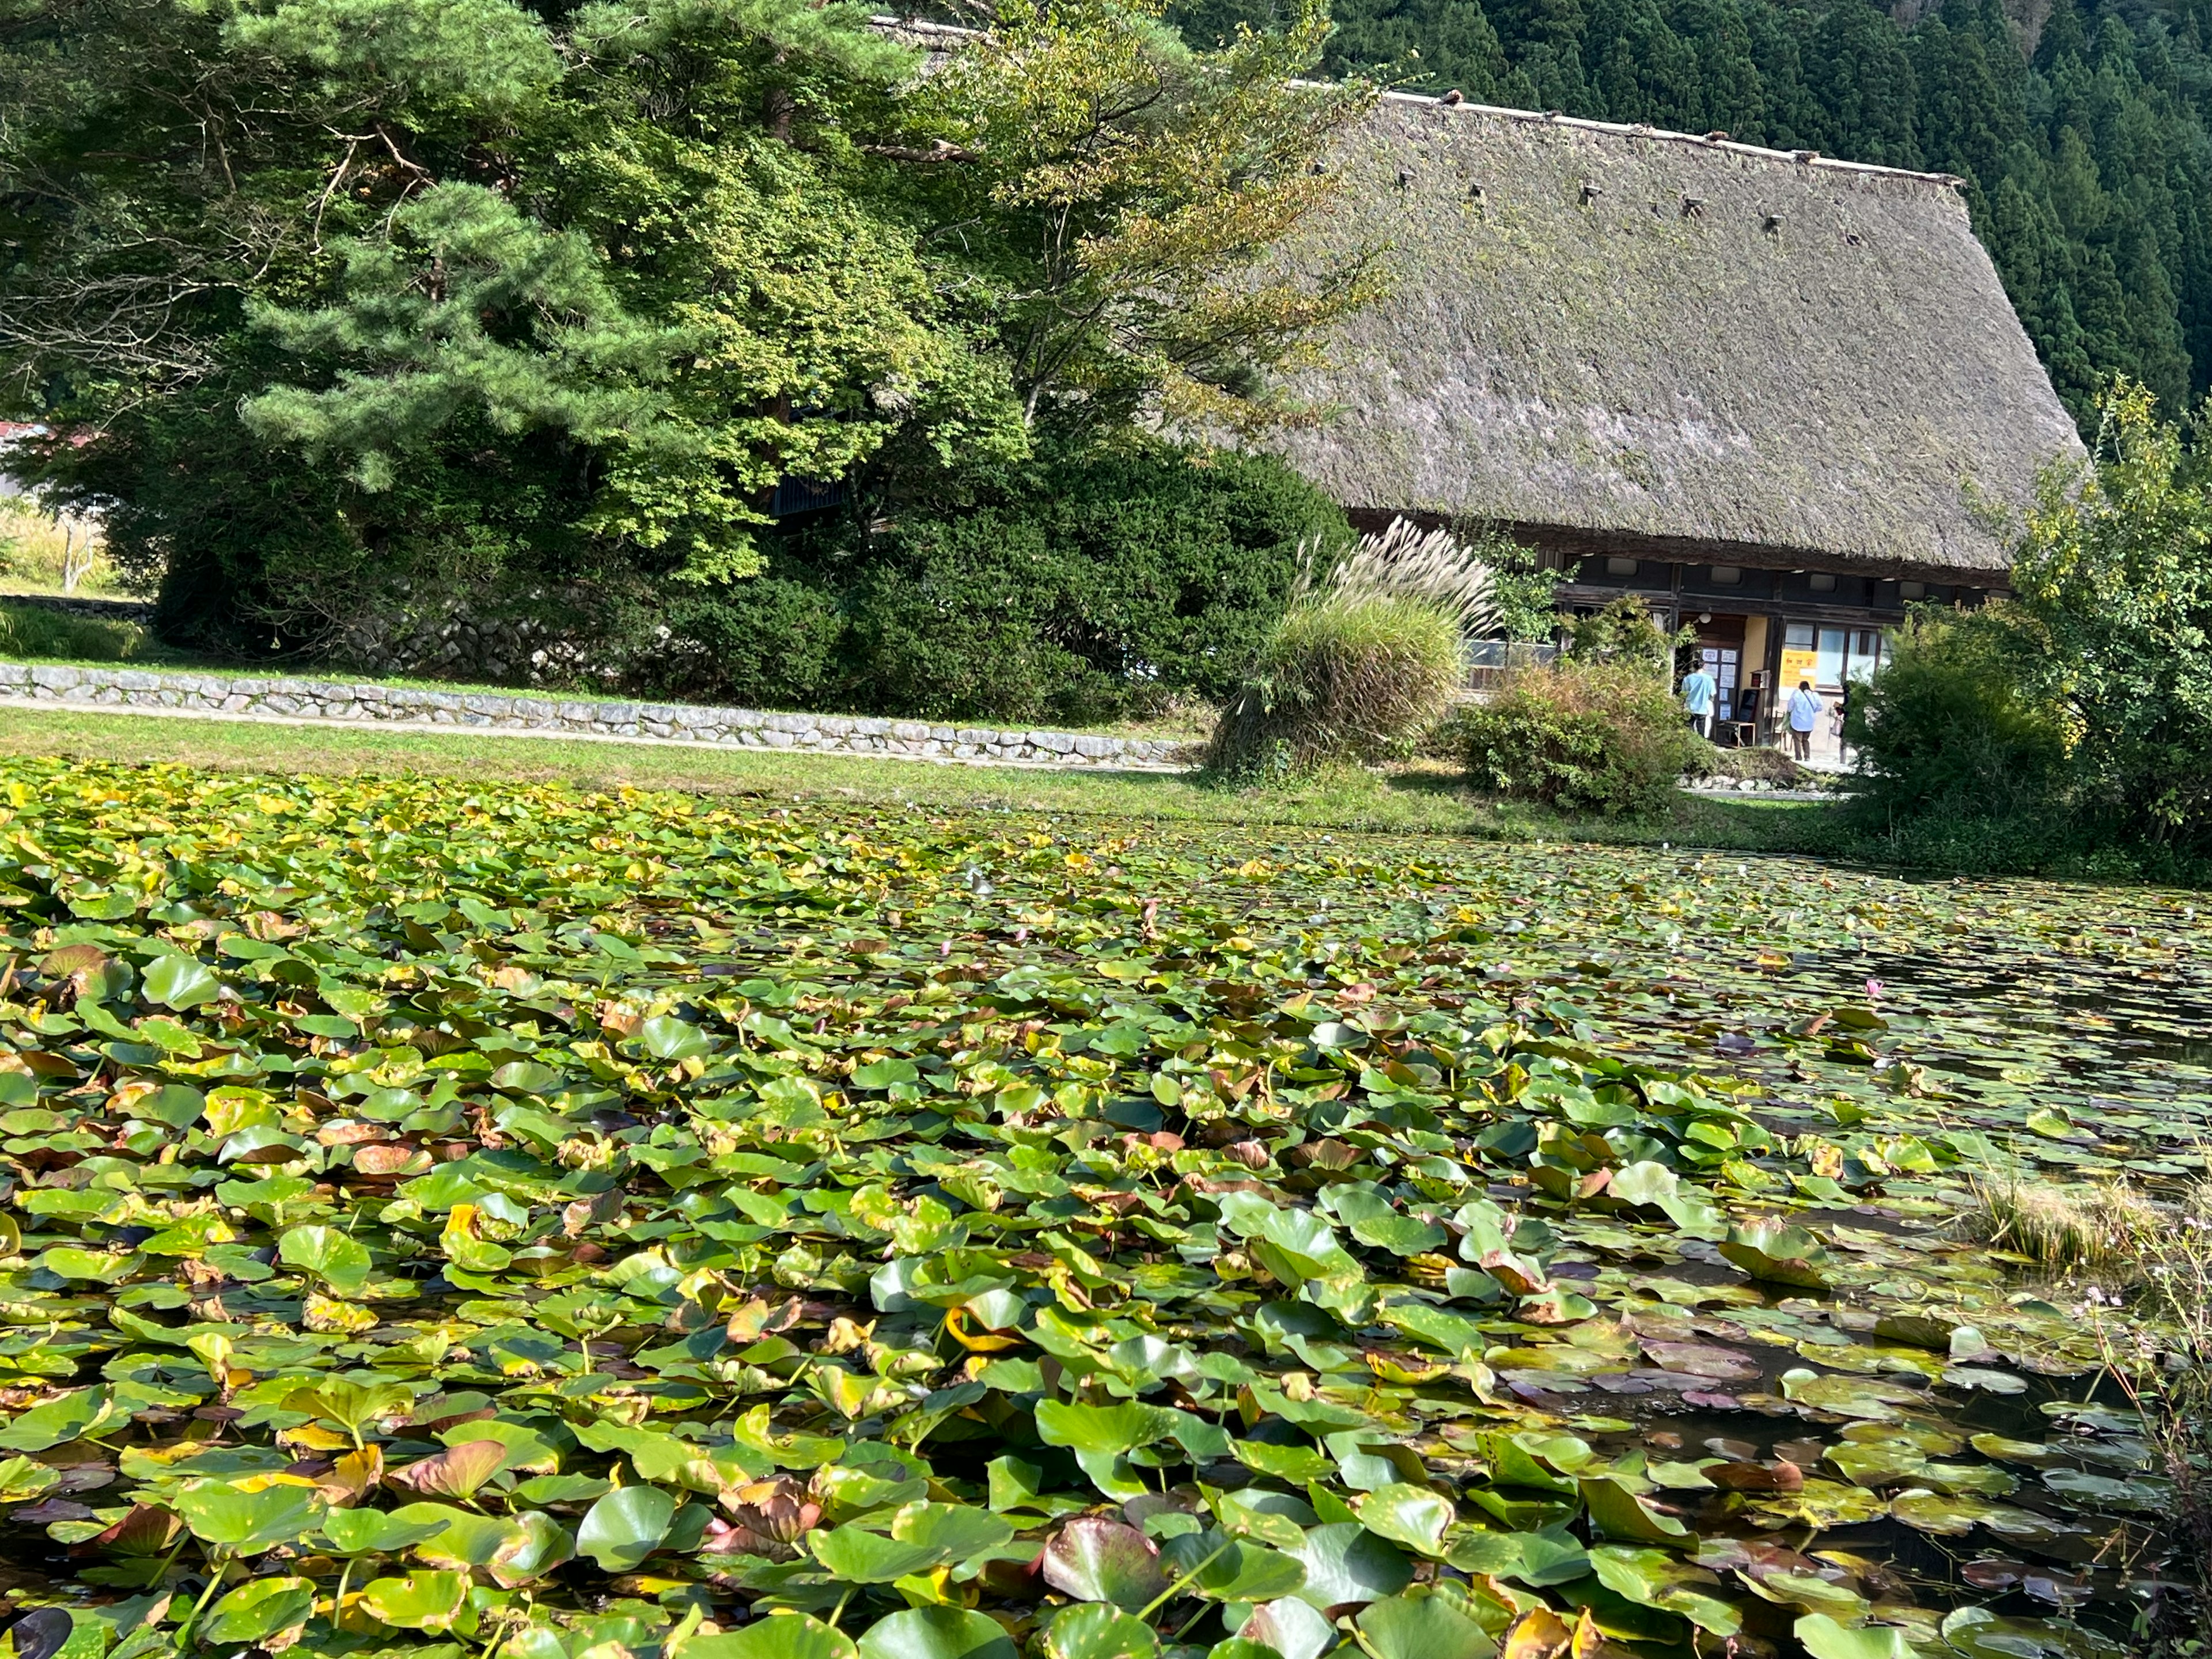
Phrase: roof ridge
(917, 26)
(1798, 158)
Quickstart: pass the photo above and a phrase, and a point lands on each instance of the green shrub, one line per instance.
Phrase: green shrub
(33, 631)
(975, 618)
(1624, 631)
(768, 642)
(1583, 737)
(1948, 729)
(2068, 729)
(1093, 582)
(1347, 677)
(1525, 591)
(2114, 585)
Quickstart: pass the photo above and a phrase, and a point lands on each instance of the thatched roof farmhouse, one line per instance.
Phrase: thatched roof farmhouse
(1772, 391)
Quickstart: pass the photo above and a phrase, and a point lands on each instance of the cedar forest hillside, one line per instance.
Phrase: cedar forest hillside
(2084, 135)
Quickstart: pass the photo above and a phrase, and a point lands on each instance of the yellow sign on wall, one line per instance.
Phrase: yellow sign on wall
(1799, 666)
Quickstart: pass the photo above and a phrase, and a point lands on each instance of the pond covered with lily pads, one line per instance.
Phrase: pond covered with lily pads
(524, 1221)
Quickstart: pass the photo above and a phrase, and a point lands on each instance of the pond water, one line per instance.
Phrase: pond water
(2058, 1031)
(843, 1213)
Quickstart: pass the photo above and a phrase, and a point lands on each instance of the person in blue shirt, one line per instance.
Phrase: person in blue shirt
(1804, 708)
(1698, 688)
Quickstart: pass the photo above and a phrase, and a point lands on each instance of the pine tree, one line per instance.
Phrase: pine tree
(1732, 95)
(1543, 39)
(1426, 45)
(1861, 73)
(1780, 35)
(1970, 106)
(1640, 69)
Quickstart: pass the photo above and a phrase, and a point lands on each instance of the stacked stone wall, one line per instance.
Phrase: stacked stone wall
(255, 697)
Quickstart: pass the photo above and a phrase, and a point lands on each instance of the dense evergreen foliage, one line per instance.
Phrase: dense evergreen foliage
(2086, 144)
(1091, 581)
(377, 313)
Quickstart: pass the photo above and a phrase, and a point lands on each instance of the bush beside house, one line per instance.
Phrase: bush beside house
(2070, 727)
(1581, 736)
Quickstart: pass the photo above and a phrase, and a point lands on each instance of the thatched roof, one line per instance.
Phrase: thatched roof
(1616, 337)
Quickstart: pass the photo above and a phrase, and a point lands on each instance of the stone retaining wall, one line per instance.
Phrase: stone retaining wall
(232, 696)
(131, 611)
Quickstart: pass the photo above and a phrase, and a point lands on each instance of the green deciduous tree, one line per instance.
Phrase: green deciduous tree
(2079, 712)
(1126, 194)
(497, 301)
(2114, 592)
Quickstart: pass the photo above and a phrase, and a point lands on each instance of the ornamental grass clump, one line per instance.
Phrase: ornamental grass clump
(1359, 667)
(33, 631)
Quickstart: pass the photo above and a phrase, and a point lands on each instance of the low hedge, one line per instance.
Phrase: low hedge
(1604, 737)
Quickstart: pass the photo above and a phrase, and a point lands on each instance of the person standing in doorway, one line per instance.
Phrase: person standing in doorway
(1698, 688)
(1804, 708)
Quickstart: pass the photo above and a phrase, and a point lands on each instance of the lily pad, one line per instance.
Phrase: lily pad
(1778, 1253)
(1415, 1517)
(937, 1633)
(1822, 1637)
(1422, 1628)
(1347, 1566)
(1979, 1633)
(1293, 1628)
(256, 1611)
(1096, 1629)
(1096, 1559)
(425, 1601)
(627, 1525)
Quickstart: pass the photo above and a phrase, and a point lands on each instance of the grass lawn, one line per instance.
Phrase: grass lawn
(1426, 797)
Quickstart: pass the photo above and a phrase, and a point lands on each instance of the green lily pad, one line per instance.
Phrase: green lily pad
(1866, 1397)
(260, 1609)
(1232, 1570)
(1978, 1633)
(177, 981)
(1422, 1628)
(1293, 1628)
(1415, 1517)
(936, 1633)
(1778, 1254)
(626, 1526)
(1822, 1637)
(1348, 1566)
(243, 1521)
(1097, 1630)
(340, 1262)
(1616, 1512)
(365, 1532)
(1096, 1559)
(858, 1556)
(780, 1635)
(425, 1601)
